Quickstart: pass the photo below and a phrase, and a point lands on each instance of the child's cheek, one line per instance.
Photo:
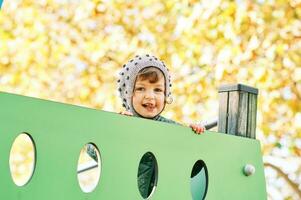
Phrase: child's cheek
(162, 100)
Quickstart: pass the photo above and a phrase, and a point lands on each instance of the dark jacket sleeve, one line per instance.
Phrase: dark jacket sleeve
(146, 175)
(92, 152)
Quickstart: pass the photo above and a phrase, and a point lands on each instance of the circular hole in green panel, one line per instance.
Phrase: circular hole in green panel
(199, 180)
(88, 167)
(22, 159)
(147, 175)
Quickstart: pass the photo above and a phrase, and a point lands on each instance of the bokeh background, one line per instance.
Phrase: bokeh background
(72, 50)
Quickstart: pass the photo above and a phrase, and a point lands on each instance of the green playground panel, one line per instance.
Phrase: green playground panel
(60, 131)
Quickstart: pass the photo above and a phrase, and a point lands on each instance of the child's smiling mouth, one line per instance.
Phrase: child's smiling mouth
(149, 106)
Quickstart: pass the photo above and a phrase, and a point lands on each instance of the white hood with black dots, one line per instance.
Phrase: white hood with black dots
(128, 75)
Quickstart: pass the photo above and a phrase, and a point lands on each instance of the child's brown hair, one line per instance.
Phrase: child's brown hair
(152, 74)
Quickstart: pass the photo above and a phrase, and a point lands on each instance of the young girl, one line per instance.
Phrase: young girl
(144, 88)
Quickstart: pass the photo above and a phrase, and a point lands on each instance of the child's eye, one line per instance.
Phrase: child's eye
(158, 90)
(139, 89)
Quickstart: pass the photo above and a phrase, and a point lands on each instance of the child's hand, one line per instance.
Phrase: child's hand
(198, 129)
(128, 113)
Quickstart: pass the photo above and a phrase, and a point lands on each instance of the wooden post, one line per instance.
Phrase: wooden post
(237, 110)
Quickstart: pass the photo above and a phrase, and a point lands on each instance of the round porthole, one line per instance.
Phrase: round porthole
(22, 159)
(199, 180)
(88, 167)
(147, 175)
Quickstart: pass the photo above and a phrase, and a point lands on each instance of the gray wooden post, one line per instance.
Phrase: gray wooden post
(237, 110)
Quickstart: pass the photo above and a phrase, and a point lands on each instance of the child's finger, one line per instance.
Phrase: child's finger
(200, 129)
(197, 128)
(126, 113)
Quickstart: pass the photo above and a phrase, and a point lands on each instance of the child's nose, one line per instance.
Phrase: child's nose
(149, 94)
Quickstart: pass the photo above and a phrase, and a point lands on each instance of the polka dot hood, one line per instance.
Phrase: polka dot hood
(129, 72)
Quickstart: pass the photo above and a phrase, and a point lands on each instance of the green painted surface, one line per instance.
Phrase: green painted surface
(198, 185)
(60, 131)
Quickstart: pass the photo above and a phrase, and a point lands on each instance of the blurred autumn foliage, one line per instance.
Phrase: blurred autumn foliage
(71, 51)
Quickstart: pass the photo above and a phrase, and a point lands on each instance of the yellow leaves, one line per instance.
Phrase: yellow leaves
(219, 72)
(230, 8)
(295, 56)
(72, 52)
(187, 109)
(278, 14)
(84, 93)
(259, 72)
(281, 48)
(253, 43)
(296, 75)
(22, 159)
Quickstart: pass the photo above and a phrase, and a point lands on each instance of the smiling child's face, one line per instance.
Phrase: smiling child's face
(148, 97)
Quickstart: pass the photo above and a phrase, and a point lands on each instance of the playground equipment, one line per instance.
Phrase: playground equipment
(211, 166)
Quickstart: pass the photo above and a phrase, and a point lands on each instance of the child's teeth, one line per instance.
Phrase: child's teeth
(148, 105)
